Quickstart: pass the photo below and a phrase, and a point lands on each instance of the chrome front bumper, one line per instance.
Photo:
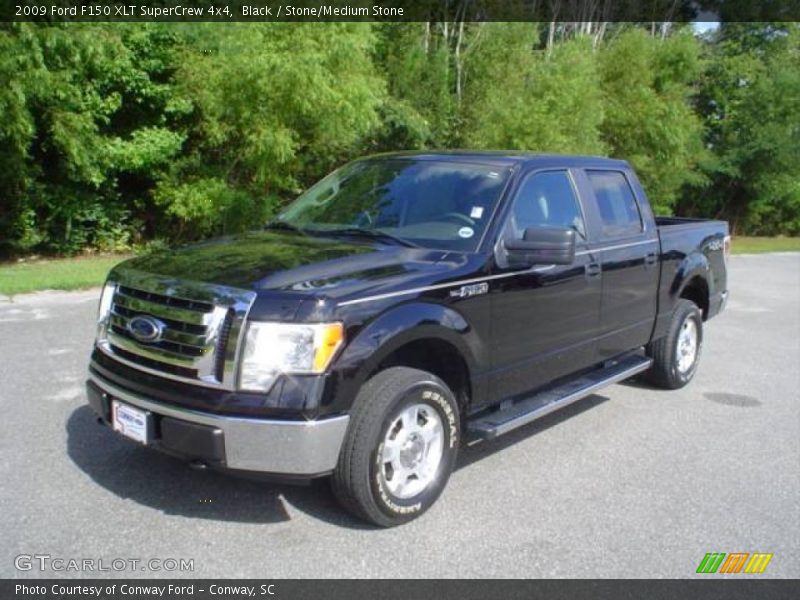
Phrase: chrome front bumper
(297, 448)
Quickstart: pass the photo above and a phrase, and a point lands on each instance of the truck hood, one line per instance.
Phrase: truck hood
(270, 260)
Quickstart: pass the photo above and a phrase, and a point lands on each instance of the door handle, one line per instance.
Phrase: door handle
(593, 270)
(650, 258)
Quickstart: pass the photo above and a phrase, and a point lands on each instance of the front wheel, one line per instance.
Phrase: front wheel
(400, 448)
(677, 354)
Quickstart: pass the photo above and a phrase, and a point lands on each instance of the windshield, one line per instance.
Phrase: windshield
(433, 204)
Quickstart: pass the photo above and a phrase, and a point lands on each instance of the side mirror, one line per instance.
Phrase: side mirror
(542, 246)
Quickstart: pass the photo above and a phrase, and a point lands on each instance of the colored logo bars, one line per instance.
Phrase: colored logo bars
(737, 562)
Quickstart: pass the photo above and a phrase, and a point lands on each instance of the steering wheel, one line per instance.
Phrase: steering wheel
(457, 216)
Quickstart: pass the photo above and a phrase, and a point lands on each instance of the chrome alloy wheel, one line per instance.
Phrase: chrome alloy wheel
(412, 450)
(686, 349)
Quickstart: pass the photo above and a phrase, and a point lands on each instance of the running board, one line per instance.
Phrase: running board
(496, 423)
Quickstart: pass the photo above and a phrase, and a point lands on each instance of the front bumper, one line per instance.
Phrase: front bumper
(292, 448)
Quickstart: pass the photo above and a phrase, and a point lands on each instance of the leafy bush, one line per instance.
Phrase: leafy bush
(114, 134)
(210, 206)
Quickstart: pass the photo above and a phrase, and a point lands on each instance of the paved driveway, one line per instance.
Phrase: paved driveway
(634, 482)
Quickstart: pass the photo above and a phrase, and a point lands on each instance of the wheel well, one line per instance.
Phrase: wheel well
(697, 291)
(438, 357)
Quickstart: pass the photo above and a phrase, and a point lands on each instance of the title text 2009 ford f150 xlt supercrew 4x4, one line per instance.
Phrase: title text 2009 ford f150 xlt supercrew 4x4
(404, 303)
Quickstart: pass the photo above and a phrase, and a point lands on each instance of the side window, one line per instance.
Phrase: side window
(547, 199)
(619, 212)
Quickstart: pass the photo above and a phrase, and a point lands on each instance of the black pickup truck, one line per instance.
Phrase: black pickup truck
(402, 304)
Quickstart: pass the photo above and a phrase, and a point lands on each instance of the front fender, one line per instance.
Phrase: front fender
(395, 328)
(407, 323)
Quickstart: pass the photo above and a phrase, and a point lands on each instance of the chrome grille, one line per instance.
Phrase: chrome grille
(202, 325)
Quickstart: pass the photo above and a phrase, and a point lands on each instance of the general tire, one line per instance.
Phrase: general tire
(359, 481)
(666, 371)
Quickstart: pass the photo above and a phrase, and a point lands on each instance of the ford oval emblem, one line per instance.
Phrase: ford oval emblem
(146, 329)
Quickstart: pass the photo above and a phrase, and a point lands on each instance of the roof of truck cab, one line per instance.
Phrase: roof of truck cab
(508, 158)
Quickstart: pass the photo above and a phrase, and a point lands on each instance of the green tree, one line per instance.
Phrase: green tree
(419, 109)
(519, 98)
(648, 86)
(84, 120)
(117, 133)
(274, 107)
(750, 100)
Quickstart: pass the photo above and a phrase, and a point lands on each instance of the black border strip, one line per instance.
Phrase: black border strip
(730, 588)
(399, 10)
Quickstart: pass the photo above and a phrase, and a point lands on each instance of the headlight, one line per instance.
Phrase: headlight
(104, 310)
(274, 348)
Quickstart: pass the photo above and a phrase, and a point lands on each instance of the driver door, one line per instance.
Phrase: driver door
(545, 318)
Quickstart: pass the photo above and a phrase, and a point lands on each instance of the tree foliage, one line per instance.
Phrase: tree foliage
(521, 99)
(647, 83)
(750, 100)
(114, 134)
(84, 108)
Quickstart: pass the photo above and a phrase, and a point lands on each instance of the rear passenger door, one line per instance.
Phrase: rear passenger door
(627, 252)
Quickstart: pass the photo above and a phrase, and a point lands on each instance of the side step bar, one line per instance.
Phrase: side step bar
(487, 426)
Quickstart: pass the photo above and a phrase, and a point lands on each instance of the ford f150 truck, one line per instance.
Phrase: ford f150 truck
(402, 304)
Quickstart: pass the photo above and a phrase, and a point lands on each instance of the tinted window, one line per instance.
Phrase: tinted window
(616, 203)
(547, 200)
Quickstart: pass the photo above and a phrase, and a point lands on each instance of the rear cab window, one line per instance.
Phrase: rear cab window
(616, 204)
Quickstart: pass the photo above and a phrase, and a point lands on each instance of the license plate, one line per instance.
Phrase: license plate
(130, 422)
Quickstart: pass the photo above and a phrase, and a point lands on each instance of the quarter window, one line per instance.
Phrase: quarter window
(619, 212)
(547, 199)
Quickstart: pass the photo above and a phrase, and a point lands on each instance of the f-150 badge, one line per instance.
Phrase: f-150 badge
(465, 291)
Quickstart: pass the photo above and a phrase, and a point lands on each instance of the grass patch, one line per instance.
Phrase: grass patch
(758, 245)
(57, 274)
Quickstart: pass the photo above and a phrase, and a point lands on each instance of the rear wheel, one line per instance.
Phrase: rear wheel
(400, 447)
(676, 355)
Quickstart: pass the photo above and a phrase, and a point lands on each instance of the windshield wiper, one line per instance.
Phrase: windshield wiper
(284, 226)
(375, 234)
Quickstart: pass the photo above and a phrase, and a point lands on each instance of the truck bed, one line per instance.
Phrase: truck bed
(685, 222)
(686, 245)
